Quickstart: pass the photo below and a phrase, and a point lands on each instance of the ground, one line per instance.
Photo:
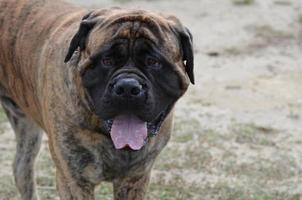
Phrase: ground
(238, 130)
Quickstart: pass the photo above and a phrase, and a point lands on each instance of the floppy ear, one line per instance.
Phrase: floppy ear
(79, 39)
(186, 41)
(186, 45)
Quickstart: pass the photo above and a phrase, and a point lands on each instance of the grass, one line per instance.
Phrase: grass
(233, 51)
(199, 152)
(271, 34)
(104, 191)
(252, 134)
(283, 2)
(169, 192)
(264, 36)
(7, 192)
(198, 163)
(243, 2)
(2, 115)
(300, 18)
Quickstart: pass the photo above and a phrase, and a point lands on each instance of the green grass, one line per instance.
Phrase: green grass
(283, 2)
(232, 51)
(252, 134)
(7, 192)
(169, 192)
(194, 151)
(243, 2)
(2, 115)
(104, 191)
(300, 18)
(202, 151)
(272, 35)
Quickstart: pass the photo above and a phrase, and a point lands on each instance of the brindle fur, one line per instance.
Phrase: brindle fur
(39, 91)
(28, 139)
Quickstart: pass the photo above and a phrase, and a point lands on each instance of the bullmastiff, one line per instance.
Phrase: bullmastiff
(102, 84)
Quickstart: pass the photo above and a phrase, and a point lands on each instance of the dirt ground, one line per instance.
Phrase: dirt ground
(238, 131)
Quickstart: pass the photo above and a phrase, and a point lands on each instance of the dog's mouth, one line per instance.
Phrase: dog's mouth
(127, 130)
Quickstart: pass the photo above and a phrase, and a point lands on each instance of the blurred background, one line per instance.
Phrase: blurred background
(238, 130)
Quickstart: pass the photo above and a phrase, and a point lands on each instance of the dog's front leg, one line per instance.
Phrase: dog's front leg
(71, 189)
(71, 160)
(131, 188)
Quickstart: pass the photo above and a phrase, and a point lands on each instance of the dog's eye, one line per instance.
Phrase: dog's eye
(108, 62)
(152, 62)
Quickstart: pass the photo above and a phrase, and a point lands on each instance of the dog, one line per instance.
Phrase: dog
(102, 84)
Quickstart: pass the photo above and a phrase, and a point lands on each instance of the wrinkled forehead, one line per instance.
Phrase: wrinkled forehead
(132, 25)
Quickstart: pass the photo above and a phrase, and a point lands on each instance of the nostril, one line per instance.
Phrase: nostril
(127, 88)
(119, 90)
(135, 91)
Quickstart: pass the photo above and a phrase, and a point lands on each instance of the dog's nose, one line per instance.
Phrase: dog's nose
(127, 87)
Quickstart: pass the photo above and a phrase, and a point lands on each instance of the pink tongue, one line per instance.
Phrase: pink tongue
(128, 130)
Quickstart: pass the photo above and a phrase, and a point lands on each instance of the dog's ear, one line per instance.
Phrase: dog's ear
(186, 41)
(186, 44)
(80, 38)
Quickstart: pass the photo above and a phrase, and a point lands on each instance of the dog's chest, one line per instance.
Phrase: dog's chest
(106, 163)
(126, 163)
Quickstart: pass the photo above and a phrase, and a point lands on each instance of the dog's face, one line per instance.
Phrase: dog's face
(135, 65)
